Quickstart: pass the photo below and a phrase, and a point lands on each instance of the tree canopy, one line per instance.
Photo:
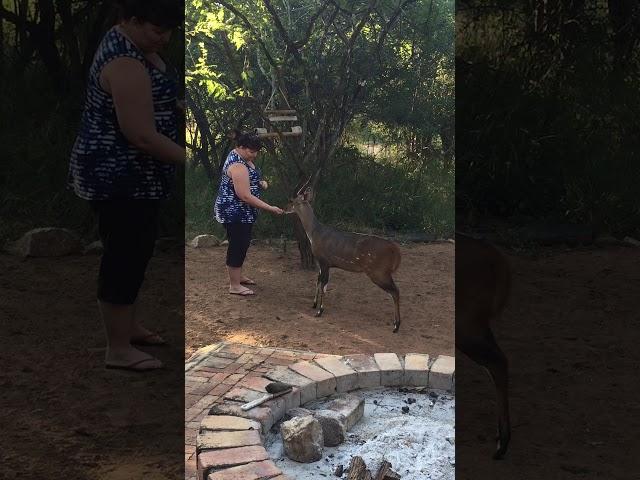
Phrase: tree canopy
(548, 111)
(351, 70)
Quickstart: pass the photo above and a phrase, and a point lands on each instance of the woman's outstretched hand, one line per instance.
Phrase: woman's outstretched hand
(276, 210)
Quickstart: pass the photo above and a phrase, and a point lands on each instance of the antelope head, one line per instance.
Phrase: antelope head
(303, 197)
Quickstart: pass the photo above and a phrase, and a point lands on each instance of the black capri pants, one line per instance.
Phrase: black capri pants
(239, 236)
(128, 231)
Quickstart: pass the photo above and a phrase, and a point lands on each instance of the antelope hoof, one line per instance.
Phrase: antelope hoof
(315, 305)
(319, 312)
(396, 328)
(503, 443)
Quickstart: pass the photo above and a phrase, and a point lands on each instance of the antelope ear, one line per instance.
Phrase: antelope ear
(308, 194)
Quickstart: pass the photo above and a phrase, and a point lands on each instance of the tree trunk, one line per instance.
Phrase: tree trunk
(1, 45)
(70, 37)
(44, 37)
(205, 131)
(622, 14)
(447, 135)
(202, 154)
(104, 17)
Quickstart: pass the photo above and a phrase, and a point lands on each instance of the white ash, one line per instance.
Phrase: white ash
(420, 444)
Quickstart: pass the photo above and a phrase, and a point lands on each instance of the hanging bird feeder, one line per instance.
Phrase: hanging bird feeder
(273, 116)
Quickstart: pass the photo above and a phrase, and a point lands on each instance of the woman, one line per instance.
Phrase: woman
(237, 205)
(123, 163)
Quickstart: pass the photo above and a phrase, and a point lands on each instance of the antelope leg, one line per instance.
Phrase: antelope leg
(323, 279)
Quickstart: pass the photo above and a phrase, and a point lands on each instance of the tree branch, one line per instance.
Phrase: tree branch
(301, 43)
(291, 47)
(388, 25)
(249, 25)
(12, 17)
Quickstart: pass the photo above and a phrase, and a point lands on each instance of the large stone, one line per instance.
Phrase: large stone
(302, 439)
(297, 412)
(46, 242)
(631, 242)
(94, 248)
(205, 241)
(334, 426)
(351, 406)
(606, 240)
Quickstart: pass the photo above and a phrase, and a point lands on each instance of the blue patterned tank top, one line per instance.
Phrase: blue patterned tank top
(228, 207)
(103, 164)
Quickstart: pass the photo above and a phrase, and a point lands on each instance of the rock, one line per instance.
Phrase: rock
(224, 242)
(339, 471)
(631, 242)
(302, 438)
(94, 248)
(334, 427)
(46, 242)
(297, 412)
(349, 405)
(607, 241)
(205, 241)
(405, 409)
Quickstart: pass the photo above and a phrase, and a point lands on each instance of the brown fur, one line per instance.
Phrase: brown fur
(377, 257)
(483, 283)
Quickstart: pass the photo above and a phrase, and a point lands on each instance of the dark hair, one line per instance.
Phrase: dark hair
(248, 140)
(163, 13)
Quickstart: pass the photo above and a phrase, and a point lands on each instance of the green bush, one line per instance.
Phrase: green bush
(358, 193)
(33, 173)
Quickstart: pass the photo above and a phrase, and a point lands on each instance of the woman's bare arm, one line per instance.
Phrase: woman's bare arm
(129, 84)
(240, 176)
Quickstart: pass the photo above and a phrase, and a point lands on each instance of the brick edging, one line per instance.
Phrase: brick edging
(230, 441)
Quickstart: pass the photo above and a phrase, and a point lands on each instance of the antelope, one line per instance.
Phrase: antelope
(483, 281)
(377, 257)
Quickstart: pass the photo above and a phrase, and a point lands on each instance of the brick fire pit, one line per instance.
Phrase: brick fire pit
(224, 443)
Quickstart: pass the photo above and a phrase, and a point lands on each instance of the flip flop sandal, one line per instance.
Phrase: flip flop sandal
(147, 342)
(131, 366)
(244, 293)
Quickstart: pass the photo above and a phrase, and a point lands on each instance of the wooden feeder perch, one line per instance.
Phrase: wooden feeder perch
(279, 116)
(275, 116)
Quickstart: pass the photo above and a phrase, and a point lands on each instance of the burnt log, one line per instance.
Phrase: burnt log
(385, 472)
(358, 469)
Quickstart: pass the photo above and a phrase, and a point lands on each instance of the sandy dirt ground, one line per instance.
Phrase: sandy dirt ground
(358, 315)
(571, 335)
(62, 415)
(570, 332)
